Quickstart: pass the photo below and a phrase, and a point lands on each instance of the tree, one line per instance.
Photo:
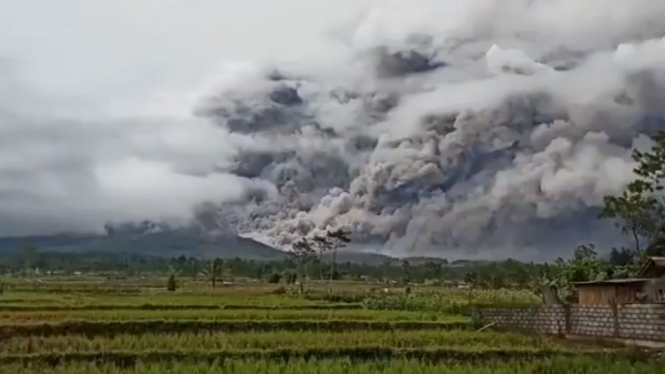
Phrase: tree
(302, 251)
(385, 271)
(171, 284)
(337, 239)
(214, 270)
(585, 265)
(406, 271)
(621, 257)
(635, 212)
(322, 245)
(471, 278)
(640, 208)
(434, 270)
(30, 257)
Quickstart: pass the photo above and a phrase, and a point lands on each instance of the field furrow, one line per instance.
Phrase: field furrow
(91, 328)
(445, 355)
(278, 340)
(250, 314)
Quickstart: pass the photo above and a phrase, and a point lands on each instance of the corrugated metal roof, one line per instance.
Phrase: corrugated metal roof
(648, 263)
(612, 281)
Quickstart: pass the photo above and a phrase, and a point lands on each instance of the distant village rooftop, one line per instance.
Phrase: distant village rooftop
(611, 282)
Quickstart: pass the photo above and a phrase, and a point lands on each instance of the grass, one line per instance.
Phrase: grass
(111, 328)
(225, 314)
(337, 362)
(279, 340)
(37, 309)
(129, 326)
(73, 300)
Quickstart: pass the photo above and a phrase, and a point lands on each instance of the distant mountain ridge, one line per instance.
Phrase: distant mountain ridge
(167, 243)
(160, 239)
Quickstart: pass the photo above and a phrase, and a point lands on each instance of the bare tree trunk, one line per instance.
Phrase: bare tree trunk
(301, 277)
(637, 240)
(213, 281)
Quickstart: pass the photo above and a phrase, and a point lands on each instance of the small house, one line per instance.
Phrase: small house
(648, 286)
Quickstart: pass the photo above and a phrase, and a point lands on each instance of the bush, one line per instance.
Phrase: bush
(171, 284)
(279, 291)
(275, 278)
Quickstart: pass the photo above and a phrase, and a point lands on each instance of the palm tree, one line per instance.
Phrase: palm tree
(213, 270)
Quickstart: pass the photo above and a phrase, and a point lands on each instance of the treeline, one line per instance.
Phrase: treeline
(584, 265)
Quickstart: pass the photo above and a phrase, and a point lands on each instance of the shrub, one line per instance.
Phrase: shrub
(279, 291)
(171, 284)
(275, 278)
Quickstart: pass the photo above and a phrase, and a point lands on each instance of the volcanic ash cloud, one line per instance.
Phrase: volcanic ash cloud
(451, 126)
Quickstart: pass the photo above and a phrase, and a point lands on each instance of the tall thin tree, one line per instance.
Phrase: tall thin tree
(322, 245)
(302, 251)
(338, 239)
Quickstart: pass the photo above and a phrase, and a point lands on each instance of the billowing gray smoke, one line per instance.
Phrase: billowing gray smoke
(475, 125)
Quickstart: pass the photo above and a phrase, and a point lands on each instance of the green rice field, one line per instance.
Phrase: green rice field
(123, 328)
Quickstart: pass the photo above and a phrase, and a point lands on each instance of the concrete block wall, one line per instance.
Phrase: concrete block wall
(591, 320)
(641, 322)
(541, 319)
(634, 322)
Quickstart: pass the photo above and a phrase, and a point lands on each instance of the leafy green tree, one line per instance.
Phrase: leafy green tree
(585, 265)
(434, 270)
(640, 209)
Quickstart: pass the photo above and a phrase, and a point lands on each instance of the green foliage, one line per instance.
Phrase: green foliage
(640, 209)
(171, 283)
(112, 328)
(215, 341)
(250, 327)
(275, 278)
(450, 302)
